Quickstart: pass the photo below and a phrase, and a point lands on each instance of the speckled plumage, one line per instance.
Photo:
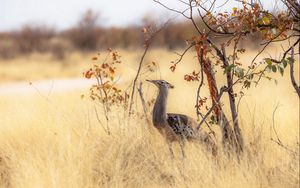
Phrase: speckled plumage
(180, 125)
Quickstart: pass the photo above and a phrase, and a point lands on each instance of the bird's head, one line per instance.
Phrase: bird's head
(161, 84)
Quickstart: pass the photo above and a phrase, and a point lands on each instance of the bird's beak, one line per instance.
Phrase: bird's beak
(152, 81)
(171, 86)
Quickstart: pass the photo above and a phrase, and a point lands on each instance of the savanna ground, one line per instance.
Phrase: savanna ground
(56, 140)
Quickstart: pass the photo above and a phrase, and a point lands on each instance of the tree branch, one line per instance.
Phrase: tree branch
(222, 90)
(147, 46)
(140, 90)
(233, 110)
(171, 9)
(294, 83)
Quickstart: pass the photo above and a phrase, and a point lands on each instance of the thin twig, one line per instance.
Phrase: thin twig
(136, 77)
(223, 89)
(140, 90)
(107, 130)
(147, 46)
(273, 123)
(277, 140)
(171, 9)
(284, 146)
(200, 84)
(183, 53)
(294, 83)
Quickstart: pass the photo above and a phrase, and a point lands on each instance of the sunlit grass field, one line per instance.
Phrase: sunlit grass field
(56, 140)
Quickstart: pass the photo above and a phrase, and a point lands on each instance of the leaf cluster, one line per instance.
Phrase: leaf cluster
(104, 71)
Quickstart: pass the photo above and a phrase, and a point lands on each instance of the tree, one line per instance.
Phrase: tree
(233, 27)
(86, 34)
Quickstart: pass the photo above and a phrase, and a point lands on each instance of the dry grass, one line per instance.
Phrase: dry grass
(59, 143)
(41, 66)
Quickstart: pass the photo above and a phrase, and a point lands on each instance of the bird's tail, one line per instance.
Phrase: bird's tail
(205, 139)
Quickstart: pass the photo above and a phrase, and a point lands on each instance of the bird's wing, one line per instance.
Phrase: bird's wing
(186, 127)
(182, 125)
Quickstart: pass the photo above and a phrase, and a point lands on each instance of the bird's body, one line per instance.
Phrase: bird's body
(182, 125)
(175, 127)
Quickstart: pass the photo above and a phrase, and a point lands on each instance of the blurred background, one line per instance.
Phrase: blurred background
(51, 43)
(50, 132)
(62, 27)
(54, 39)
(47, 40)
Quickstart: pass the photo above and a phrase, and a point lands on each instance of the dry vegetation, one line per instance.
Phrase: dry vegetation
(38, 66)
(58, 142)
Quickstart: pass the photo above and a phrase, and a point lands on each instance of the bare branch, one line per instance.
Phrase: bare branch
(284, 146)
(295, 5)
(242, 1)
(192, 18)
(183, 53)
(232, 104)
(294, 83)
(140, 90)
(147, 46)
(286, 52)
(291, 48)
(261, 74)
(173, 10)
(223, 4)
(136, 77)
(183, 2)
(200, 84)
(273, 123)
(198, 95)
(222, 90)
(107, 130)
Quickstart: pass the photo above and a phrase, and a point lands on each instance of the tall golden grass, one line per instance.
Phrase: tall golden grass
(58, 141)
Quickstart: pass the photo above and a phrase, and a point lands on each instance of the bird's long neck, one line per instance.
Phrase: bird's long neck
(159, 117)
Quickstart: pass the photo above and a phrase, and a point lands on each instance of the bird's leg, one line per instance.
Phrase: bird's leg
(170, 149)
(182, 169)
(182, 144)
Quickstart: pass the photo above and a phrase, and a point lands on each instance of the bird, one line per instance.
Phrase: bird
(176, 127)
